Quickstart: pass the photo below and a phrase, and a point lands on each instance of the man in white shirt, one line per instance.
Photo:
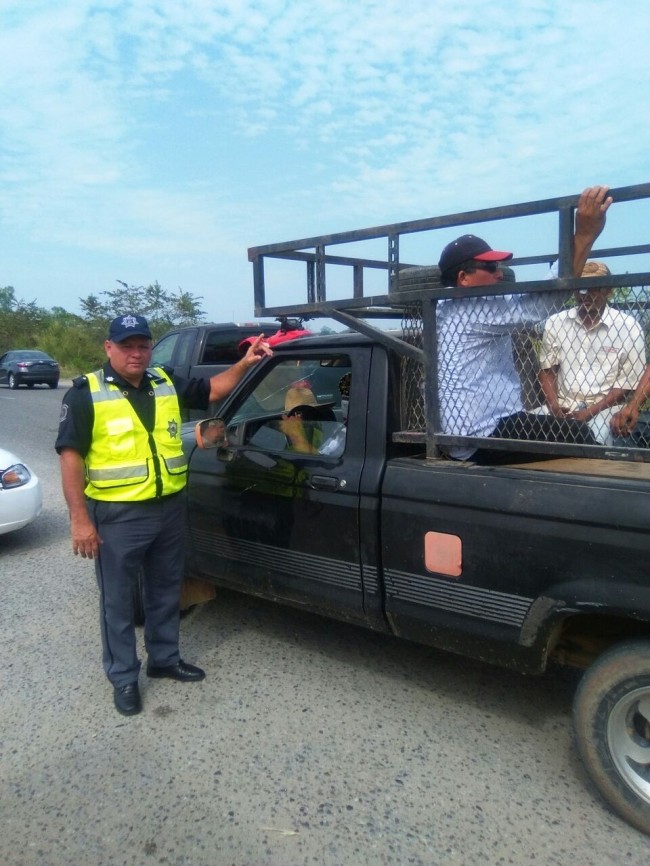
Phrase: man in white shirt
(591, 357)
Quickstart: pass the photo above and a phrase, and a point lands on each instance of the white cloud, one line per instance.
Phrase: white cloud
(302, 117)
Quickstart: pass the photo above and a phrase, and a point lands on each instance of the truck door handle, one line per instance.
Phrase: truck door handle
(324, 482)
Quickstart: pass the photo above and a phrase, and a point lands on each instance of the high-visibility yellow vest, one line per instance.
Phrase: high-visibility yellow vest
(126, 463)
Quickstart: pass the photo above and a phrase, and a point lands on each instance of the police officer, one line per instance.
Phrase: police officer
(123, 471)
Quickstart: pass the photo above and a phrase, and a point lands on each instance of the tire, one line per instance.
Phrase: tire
(611, 717)
(53, 385)
(13, 381)
(138, 599)
(30, 385)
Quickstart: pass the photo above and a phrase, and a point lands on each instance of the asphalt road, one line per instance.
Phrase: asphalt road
(310, 742)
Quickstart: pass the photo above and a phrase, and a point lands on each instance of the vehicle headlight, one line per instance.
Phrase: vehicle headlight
(15, 476)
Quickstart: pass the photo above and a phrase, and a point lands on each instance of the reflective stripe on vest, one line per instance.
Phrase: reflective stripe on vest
(125, 462)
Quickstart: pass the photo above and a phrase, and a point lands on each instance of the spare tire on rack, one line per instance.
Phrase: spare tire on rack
(414, 279)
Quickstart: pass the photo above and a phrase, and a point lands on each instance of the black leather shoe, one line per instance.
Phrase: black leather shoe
(127, 699)
(181, 671)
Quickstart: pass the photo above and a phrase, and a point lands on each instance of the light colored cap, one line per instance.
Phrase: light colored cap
(595, 269)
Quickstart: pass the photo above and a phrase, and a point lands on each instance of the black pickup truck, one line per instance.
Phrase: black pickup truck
(204, 350)
(545, 558)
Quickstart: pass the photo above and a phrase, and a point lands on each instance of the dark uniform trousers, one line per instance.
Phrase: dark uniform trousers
(150, 536)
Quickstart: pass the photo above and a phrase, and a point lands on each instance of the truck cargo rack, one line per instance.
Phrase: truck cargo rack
(413, 290)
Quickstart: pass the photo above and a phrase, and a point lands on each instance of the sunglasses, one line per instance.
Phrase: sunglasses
(490, 267)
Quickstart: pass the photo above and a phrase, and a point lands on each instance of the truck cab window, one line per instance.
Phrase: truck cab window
(297, 407)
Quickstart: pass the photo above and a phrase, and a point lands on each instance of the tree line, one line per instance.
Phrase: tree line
(76, 340)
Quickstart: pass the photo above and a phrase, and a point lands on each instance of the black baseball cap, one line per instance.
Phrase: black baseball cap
(468, 247)
(128, 325)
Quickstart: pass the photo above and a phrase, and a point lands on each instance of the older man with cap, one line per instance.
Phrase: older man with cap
(479, 388)
(123, 472)
(592, 357)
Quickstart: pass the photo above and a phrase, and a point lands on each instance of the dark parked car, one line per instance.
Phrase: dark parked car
(28, 367)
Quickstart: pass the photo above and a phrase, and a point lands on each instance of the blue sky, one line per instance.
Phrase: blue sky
(147, 140)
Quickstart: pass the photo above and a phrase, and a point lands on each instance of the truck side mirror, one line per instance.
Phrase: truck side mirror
(210, 433)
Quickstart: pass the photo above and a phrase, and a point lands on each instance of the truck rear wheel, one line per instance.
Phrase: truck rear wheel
(611, 717)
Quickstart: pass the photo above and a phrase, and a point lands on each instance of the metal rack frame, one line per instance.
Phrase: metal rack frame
(354, 311)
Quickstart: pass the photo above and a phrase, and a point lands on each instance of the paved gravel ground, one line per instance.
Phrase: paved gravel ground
(310, 742)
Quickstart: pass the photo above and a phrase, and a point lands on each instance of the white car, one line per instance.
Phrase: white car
(21, 498)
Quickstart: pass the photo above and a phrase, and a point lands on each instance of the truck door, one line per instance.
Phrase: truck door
(276, 510)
